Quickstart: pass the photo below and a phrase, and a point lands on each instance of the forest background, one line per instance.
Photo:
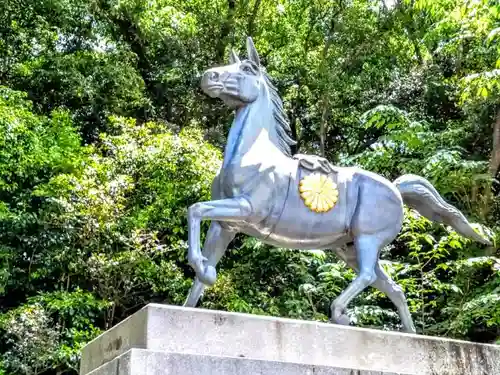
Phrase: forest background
(106, 139)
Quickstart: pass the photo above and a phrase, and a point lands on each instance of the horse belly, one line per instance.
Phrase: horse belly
(302, 228)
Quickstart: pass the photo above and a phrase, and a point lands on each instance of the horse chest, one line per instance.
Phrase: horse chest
(233, 181)
(252, 171)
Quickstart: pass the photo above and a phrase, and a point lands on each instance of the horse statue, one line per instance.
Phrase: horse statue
(300, 201)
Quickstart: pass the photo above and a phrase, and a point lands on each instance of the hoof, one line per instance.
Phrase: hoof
(209, 276)
(343, 320)
(410, 330)
(340, 317)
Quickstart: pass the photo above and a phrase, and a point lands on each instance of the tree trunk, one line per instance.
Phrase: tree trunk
(322, 129)
(410, 25)
(225, 31)
(253, 16)
(325, 102)
(495, 149)
(493, 169)
(294, 118)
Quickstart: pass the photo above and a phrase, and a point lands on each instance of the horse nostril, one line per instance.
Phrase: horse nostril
(214, 76)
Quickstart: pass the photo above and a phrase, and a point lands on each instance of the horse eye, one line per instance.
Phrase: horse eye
(247, 69)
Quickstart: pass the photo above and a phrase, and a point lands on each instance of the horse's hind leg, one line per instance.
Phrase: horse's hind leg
(395, 293)
(367, 251)
(384, 284)
(214, 248)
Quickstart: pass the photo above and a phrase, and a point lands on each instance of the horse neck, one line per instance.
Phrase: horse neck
(252, 122)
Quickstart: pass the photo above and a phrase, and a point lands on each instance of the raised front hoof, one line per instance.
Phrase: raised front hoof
(209, 276)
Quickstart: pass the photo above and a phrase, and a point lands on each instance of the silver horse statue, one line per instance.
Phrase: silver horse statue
(300, 201)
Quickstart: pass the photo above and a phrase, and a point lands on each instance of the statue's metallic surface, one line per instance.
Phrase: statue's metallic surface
(257, 192)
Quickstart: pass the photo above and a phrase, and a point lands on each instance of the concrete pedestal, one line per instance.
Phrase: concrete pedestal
(170, 340)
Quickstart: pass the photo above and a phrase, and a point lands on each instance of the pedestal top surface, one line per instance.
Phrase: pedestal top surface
(174, 329)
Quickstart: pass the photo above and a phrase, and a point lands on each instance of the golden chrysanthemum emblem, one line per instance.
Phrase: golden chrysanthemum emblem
(319, 192)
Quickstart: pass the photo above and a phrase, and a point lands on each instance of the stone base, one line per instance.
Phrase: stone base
(150, 362)
(178, 340)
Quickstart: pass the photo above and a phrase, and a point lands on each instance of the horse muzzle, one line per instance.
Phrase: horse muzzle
(211, 84)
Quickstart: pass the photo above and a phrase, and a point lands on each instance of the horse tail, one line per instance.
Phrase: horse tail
(419, 194)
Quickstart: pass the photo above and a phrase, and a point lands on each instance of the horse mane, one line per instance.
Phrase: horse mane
(285, 141)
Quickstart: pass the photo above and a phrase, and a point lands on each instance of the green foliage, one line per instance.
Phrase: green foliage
(98, 233)
(106, 139)
(32, 146)
(32, 340)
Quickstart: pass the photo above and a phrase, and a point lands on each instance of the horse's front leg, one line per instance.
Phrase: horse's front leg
(232, 210)
(215, 245)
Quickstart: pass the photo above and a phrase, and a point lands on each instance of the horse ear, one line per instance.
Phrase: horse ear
(233, 57)
(253, 55)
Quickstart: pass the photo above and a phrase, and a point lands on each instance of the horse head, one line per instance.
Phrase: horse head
(237, 84)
